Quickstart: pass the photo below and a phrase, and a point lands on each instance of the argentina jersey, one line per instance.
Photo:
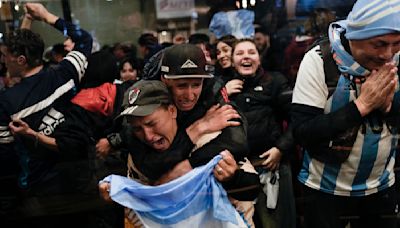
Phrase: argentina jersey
(369, 167)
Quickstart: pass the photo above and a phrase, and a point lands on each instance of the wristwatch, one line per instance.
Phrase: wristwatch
(115, 140)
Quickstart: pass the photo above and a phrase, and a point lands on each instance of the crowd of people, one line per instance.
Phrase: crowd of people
(304, 138)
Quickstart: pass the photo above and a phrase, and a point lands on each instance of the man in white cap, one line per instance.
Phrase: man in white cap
(350, 137)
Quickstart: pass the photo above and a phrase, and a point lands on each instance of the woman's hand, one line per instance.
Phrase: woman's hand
(234, 86)
(273, 158)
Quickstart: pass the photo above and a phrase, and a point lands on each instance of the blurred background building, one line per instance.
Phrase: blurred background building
(112, 21)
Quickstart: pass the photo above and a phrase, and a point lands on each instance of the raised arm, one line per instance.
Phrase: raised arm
(83, 40)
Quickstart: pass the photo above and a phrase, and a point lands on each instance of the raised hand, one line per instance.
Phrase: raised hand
(378, 90)
(38, 12)
(234, 86)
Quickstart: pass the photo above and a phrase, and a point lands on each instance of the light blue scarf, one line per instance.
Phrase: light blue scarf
(349, 68)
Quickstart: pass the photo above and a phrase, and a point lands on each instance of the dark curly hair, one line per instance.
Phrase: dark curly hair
(27, 43)
(317, 23)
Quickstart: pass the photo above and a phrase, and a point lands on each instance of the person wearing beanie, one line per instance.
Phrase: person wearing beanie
(350, 136)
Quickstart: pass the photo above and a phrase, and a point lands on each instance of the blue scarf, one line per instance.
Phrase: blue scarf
(351, 71)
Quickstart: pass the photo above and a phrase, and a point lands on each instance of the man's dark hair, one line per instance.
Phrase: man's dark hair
(27, 43)
(262, 29)
(150, 42)
(127, 48)
(59, 49)
(147, 40)
(318, 22)
(102, 67)
(199, 38)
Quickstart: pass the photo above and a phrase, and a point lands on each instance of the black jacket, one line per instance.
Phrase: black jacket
(265, 105)
(76, 139)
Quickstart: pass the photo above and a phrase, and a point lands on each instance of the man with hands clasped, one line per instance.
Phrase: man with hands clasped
(350, 137)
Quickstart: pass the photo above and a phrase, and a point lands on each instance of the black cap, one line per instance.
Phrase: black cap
(144, 97)
(184, 61)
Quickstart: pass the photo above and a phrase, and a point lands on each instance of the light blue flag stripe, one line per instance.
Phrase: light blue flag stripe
(384, 179)
(366, 164)
(340, 98)
(304, 173)
(175, 201)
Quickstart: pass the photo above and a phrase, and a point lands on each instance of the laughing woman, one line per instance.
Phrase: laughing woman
(259, 95)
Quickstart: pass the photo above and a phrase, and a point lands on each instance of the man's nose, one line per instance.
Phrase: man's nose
(190, 93)
(388, 53)
(148, 134)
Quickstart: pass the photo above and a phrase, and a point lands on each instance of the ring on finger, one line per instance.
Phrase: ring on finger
(219, 170)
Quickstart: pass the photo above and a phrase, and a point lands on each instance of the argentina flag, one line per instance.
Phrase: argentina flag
(196, 199)
(238, 23)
